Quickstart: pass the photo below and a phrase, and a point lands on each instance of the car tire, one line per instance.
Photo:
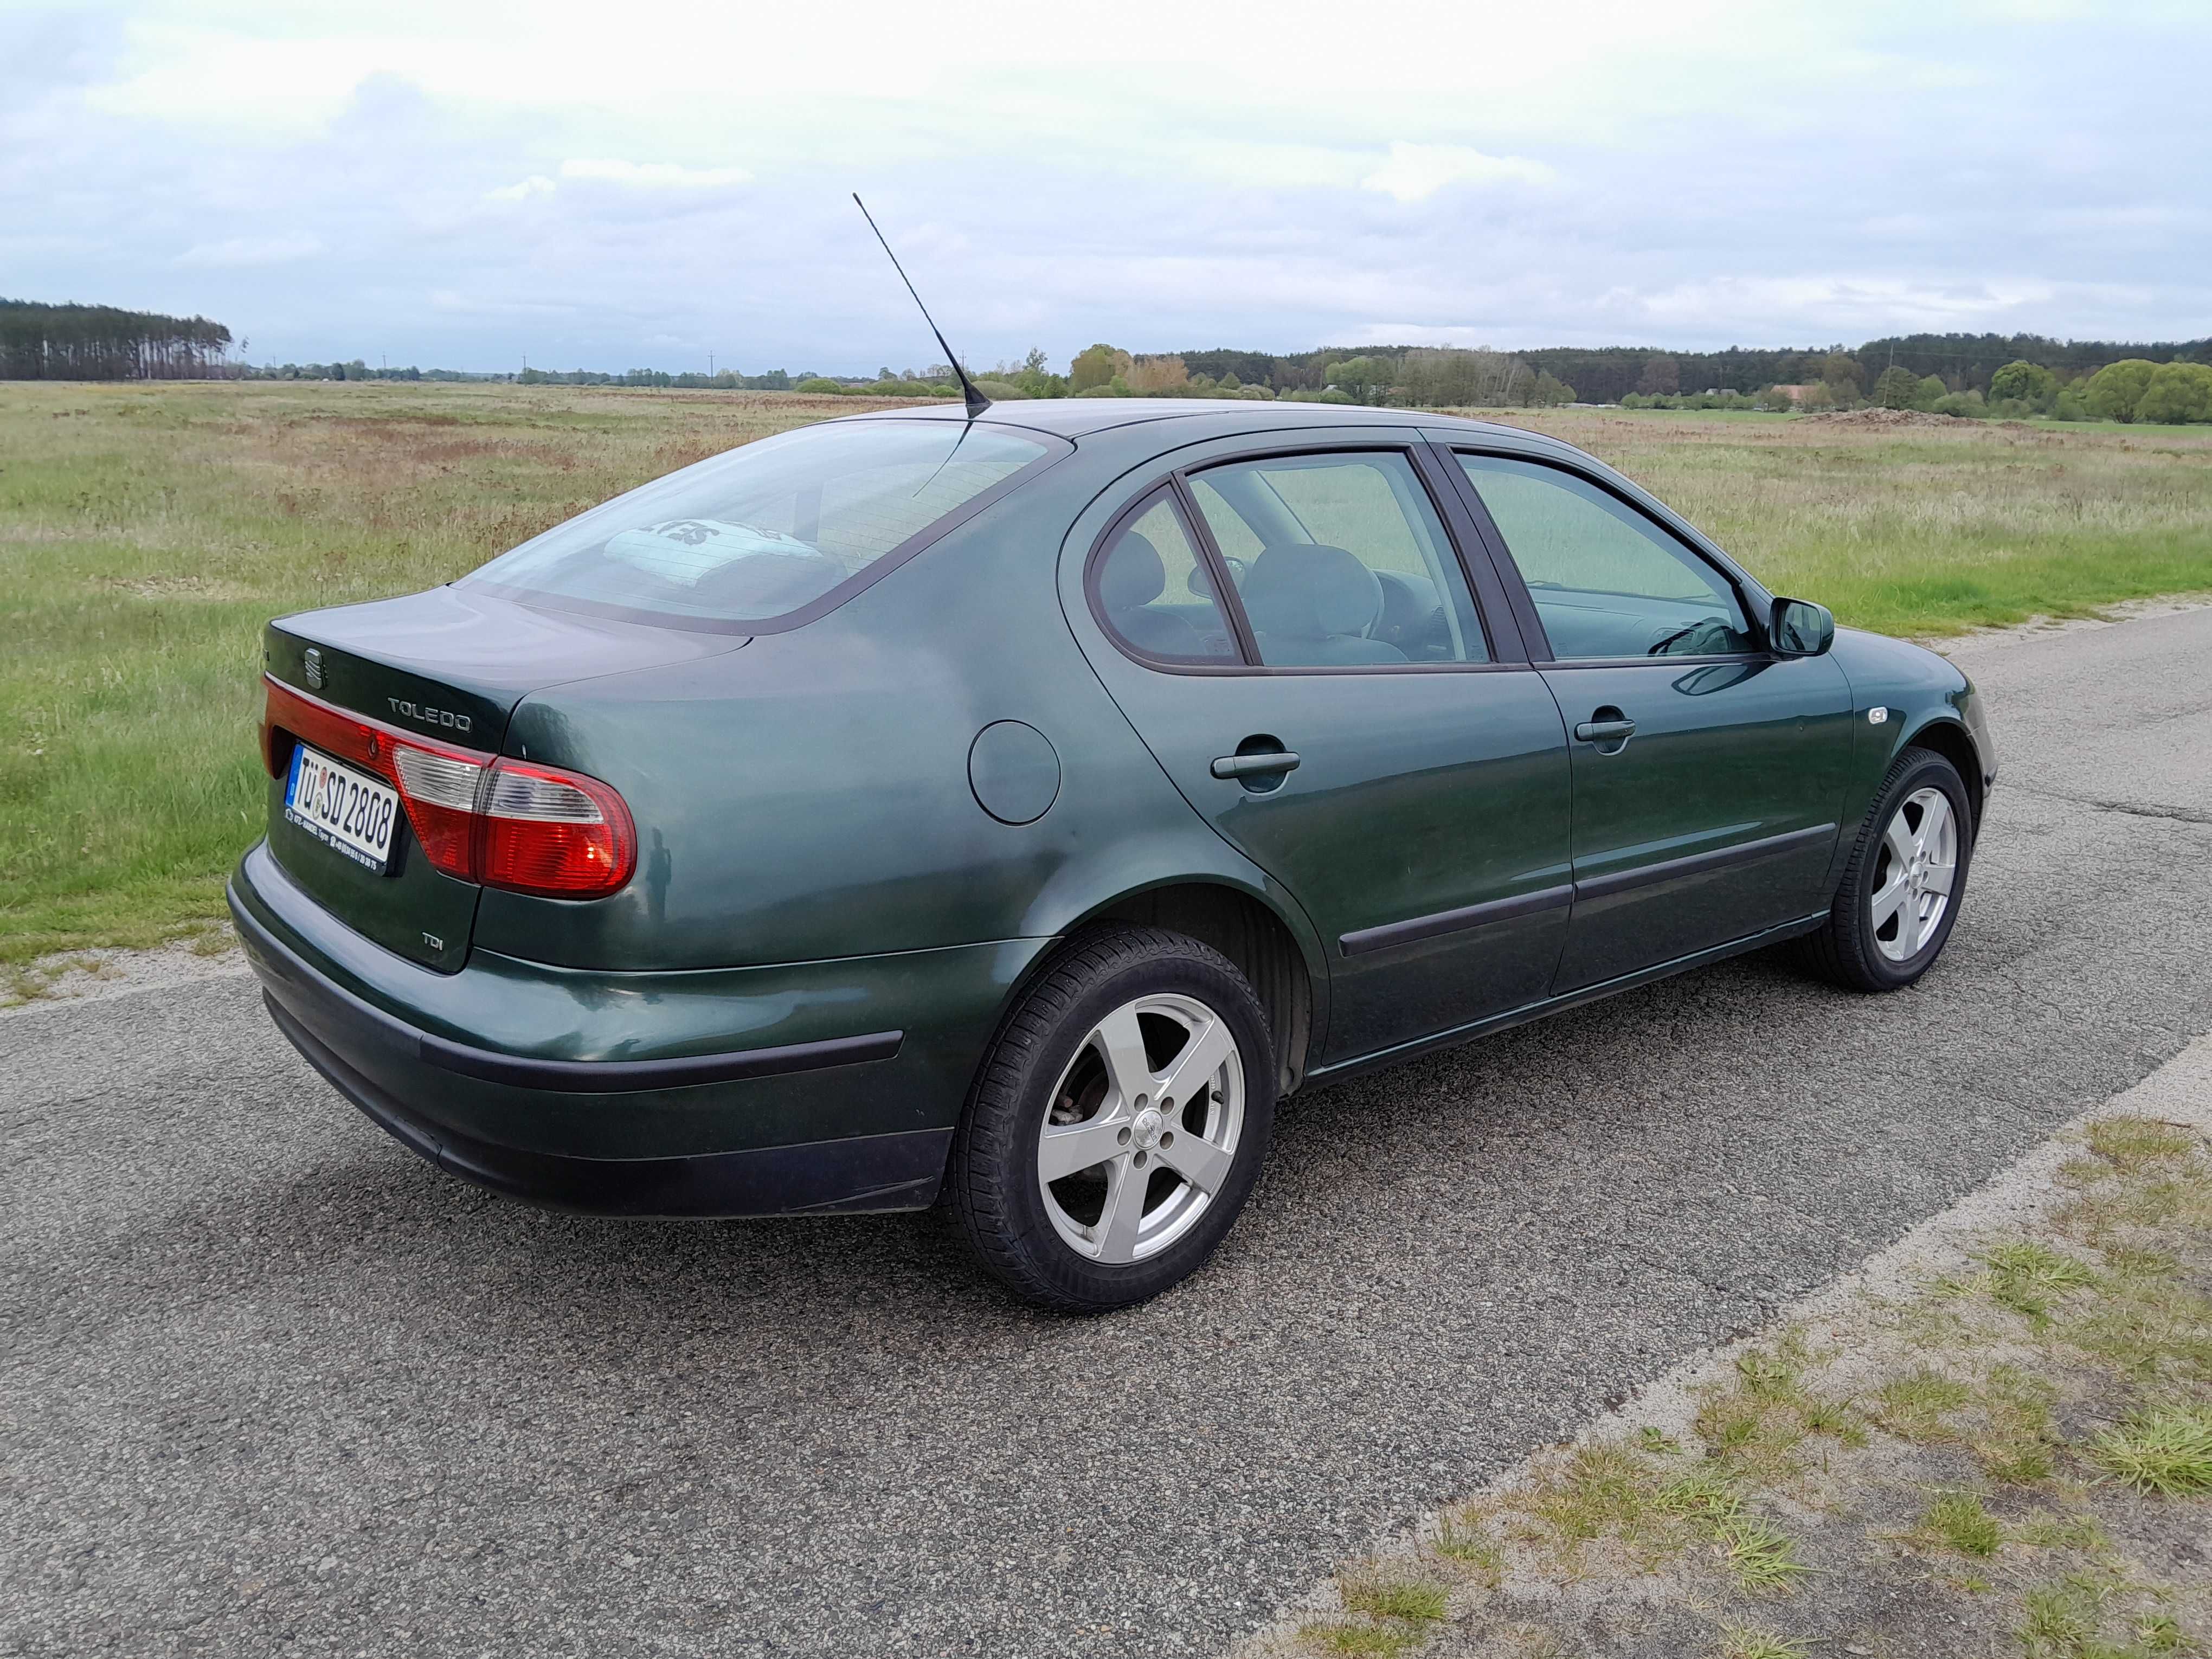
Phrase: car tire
(1120, 1017)
(1886, 928)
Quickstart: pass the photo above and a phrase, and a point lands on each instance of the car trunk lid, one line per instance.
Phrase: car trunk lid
(446, 669)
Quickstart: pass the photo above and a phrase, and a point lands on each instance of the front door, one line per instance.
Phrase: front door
(1707, 772)
(1342, 719)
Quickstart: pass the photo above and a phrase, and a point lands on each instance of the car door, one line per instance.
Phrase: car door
(1295, 638)
(1708, 771)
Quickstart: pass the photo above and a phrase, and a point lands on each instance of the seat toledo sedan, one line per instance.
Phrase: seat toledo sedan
(1012, 812)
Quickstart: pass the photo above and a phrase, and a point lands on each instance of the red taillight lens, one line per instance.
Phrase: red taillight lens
(504, 822)
(555, 833)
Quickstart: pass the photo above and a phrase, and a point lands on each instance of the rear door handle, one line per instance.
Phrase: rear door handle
(1618, 731)
(1268, 763)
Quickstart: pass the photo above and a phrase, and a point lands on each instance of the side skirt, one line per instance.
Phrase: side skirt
(1521, 1016)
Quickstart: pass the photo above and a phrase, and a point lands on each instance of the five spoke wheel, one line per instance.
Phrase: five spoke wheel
(1914, 871)
(1142, 1129)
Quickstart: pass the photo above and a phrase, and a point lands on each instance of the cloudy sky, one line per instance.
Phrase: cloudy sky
(612, 185)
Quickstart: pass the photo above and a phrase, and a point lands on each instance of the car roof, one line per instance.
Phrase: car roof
(1077, 417)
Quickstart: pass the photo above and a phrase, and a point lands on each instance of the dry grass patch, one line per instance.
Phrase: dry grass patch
(2028, 1469)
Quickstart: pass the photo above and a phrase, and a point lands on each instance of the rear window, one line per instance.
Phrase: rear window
(771, 533)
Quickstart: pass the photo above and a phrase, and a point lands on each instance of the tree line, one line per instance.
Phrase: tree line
(41, 342)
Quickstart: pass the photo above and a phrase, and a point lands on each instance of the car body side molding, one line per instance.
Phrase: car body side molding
(1453, 921)
(1551, 898)
(1749, 852)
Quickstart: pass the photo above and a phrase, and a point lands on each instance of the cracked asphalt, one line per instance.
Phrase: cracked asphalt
(274, 1386)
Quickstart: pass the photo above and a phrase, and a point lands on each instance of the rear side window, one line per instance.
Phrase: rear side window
(1340, 561)
(787, 526)
(1154, 591)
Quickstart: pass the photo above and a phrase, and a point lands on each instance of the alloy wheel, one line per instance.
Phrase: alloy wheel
(1142, 1129)
(1914, 873)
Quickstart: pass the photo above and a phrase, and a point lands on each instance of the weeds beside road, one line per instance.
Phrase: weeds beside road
(148, 531)
(2016, 1457)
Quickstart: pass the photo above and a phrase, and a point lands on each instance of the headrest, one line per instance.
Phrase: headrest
(1133, 575)
(1311, 592)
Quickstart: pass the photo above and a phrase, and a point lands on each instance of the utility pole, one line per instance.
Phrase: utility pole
(710, 365)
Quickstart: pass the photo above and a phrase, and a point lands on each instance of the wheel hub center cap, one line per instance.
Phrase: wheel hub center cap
(1144, 1128)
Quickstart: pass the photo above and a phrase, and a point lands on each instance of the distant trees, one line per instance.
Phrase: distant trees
(1662, 376)
(2177, 392)
(2114, 391)
(1095, 366)
(2030, 382)
(41, 342)
(1364, 379)
(1897, 387)
(1157, 376)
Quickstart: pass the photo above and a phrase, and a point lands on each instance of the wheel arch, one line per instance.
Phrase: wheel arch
(1279, 959)
(1951, 739)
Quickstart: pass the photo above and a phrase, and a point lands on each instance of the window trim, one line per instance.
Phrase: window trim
(1491, 600)
(1524, 601)
(1093, 592)
(1056, 450)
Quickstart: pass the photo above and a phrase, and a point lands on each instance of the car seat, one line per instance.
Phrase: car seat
(1312, 607)
(1130, 580)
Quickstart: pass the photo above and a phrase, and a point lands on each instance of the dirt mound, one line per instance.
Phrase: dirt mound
(1883, 417)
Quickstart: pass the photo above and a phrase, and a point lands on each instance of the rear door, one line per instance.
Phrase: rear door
(1295, 637)
(1708, 773)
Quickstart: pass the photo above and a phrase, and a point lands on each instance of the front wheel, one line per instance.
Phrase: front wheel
(1907, 873)
(1119, 1122)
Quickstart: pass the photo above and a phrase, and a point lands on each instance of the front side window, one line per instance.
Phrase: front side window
(1340, 561)
(1606, 582)
(767, 529)
(1155, 593)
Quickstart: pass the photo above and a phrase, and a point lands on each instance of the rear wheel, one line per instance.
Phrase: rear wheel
(1907, 873)
(1119, 1123)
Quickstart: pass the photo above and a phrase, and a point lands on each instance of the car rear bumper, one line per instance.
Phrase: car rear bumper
(805, 1088)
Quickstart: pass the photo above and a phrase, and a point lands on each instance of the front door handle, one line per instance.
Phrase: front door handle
(1601, 730)
(1608, 727)
(1269, 763)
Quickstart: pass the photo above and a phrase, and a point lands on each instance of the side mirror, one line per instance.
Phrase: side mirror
(1800, 628)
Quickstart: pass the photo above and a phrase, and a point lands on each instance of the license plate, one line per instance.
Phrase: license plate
(343, 809)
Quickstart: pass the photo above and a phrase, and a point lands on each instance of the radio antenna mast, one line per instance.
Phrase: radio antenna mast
(976, 401)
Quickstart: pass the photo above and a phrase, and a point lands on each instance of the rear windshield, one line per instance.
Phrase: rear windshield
(767, 532)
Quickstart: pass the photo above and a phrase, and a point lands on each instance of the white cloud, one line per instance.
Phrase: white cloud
(655, 175)
(1416, 172)
(237, 252)
(1670, 171)
(536, 185)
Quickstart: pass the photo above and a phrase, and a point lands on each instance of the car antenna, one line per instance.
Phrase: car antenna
(976, 401)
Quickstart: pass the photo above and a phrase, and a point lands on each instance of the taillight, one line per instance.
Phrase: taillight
(508, 823)
(551, 832)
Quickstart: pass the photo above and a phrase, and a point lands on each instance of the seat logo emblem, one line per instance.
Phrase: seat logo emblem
(313, 666)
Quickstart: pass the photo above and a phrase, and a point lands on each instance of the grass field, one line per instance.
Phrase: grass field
(148, 531)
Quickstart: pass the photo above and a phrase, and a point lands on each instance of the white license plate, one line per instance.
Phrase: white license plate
(341, 808)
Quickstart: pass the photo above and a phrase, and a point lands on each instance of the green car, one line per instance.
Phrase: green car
(1011, 811)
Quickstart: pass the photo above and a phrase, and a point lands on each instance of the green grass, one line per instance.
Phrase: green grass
(1926, 530)
(1957, 1521)
(1750, 1642)
(148, 531)
(2165, 1450)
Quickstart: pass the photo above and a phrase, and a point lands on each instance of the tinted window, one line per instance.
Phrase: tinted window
(767, 529)
(1154, 591)
(1340, 561)
(1608, 582)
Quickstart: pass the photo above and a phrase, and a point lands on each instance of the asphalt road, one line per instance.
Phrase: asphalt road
(271, 1385)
